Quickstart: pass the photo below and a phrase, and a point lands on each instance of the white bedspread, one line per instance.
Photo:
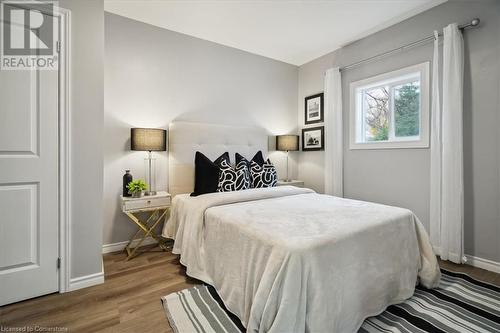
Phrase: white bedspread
(287, 259)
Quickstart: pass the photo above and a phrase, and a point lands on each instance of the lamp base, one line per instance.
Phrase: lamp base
(150, 175)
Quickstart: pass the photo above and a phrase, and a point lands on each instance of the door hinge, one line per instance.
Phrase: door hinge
(58, 263)
(58, 46)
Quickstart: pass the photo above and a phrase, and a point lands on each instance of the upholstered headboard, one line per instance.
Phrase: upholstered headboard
(185, 138)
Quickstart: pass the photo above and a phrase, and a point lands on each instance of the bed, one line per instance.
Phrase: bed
(287, 259)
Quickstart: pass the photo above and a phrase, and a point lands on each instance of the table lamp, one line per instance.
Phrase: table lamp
(149, 139)
(287, 143)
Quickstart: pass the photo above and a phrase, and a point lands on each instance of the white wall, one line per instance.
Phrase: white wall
(401, 176)
(87, 109)
(154, 76)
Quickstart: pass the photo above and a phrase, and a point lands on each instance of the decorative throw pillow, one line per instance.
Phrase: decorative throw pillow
(206, 173)
(233, 179)
(263, 175)
(258, 158)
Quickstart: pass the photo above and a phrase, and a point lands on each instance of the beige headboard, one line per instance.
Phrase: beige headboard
(185, 138)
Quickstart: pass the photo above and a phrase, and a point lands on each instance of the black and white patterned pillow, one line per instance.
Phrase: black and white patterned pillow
(263, 176)
(233, 179)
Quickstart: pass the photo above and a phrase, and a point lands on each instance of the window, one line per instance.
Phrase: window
(391, 110)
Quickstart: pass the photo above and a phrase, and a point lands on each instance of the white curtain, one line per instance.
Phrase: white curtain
(447, 193)
(436, 151)
(333, 133)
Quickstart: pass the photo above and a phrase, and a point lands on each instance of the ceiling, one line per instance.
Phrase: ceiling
(292, 31)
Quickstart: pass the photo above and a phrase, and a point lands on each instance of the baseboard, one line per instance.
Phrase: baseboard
(478, 262)
(86, 281)
(120, 246)
(486, 264)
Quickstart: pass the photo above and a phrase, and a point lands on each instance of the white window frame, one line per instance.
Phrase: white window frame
(394, 78)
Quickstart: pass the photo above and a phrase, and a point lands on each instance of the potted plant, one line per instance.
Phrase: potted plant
(136, 188)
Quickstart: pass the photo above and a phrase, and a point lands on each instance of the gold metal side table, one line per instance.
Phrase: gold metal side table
(157, 206)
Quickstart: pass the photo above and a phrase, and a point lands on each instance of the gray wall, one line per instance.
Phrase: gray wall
(401, 176)
(154, 76)
(87, 84)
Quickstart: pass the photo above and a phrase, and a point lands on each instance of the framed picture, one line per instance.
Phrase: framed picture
(314, 109)
(313, 138)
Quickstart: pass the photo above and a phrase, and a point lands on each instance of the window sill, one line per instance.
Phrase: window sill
(389, 145)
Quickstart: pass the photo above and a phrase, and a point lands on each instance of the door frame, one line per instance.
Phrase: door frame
(64, 87)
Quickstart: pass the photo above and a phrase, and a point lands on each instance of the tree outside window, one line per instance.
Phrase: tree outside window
(391, 110)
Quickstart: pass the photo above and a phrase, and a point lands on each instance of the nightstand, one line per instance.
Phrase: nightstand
(298, 183)
(157, 206)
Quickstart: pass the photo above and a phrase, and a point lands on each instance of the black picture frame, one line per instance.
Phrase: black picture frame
(321, 145)
(307, 112)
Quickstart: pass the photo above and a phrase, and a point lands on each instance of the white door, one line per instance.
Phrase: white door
(28, 184)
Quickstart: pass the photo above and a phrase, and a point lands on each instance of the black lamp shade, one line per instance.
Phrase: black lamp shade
(287, 142)
(148, 139)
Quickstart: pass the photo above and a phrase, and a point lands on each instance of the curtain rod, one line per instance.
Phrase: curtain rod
(472, 24)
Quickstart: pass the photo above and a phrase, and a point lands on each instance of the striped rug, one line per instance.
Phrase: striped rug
(460, 304)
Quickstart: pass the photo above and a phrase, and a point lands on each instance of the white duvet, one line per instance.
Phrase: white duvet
(287, 259)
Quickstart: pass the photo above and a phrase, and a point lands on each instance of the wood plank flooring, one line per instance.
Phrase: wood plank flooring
(129, 300)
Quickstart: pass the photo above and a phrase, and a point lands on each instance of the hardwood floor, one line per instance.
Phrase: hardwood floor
(476, 273)
(129, 300)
